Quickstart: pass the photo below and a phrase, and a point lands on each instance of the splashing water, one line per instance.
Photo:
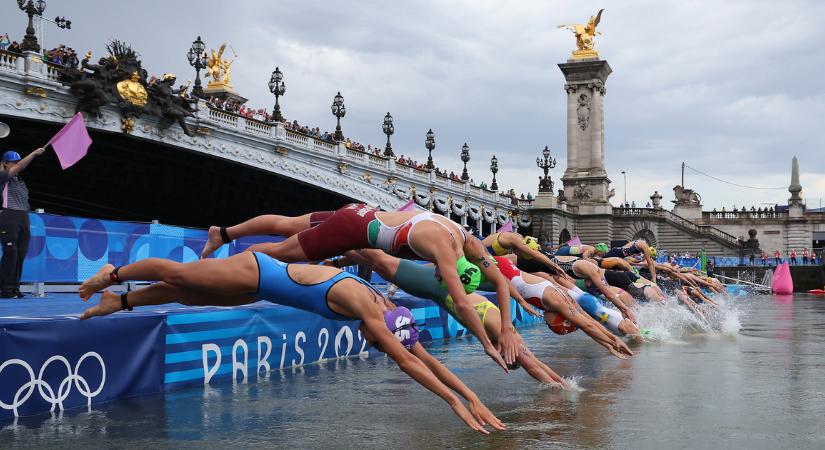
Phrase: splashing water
(570, 384)
(670, 321)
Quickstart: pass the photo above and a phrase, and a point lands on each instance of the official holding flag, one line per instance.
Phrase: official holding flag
(14, 221)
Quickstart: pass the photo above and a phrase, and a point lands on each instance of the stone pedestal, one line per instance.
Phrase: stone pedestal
(586, 185)
(545, 200)
(223, 92)
(690, 212)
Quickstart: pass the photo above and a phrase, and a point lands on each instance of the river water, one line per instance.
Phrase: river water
(755, 378)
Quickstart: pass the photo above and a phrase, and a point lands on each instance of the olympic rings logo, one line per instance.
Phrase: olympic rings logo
(27, 389)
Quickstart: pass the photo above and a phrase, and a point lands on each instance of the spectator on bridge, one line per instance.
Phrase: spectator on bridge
(529, 196)
(752, 258)
(633, 204)
(14, 221)
(777, 257)
(805, 256)
(764, 258)
(792, 255)
(647, 205)
(4, 41)
(15, 48)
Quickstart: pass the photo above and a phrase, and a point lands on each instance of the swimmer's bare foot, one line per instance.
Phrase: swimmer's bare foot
(109, 303)
(96, 282)
(213, 241)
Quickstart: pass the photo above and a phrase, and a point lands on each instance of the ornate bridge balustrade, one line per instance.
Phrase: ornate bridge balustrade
(29, 90)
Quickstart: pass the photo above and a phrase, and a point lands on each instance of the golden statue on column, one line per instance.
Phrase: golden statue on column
(218, 68)
(585, 37)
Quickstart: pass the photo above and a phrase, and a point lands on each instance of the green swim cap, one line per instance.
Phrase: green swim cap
(468, 273)
(602, 247)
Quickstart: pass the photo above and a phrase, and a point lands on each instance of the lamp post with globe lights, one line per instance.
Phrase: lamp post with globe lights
(278, 88)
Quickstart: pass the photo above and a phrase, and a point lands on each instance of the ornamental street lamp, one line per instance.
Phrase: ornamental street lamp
(197, 59)
(465, 156)
(31, 8)
(277, 87)
(430, 144)
(546, 183)
(339, 111)
(389, 129)
(494, 169)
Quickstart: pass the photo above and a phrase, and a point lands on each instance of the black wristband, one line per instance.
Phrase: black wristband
(225, 236)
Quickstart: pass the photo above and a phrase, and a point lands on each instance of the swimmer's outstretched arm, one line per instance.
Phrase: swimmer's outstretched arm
(582, 320)
(445, 260)
(508, 339)
(593, 273)
(523, 248)
(476, 407)
(411, 365)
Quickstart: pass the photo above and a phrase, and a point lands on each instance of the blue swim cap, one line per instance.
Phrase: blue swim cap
(11, 155)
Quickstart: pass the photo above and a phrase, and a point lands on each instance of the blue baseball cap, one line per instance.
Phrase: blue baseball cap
(11, 155)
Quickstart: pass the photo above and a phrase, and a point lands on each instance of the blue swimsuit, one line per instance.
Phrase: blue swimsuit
(276, 286)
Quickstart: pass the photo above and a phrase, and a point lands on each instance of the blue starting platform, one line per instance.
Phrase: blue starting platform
(51, 361)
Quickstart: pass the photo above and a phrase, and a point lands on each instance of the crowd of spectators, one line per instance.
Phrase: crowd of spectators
(10, 46)
(233, 106)
(62, 56)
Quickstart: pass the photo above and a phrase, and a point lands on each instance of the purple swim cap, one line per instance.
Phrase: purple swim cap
(401, 323)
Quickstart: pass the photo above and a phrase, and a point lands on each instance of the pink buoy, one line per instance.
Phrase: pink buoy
(782, 283)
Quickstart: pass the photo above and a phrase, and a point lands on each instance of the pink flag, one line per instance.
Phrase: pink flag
(507, 227)
(575, 242)
(409, 206)
(72, 142)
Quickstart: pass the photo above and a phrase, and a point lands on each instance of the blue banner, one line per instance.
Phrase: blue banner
(65, 363)
(242, 343)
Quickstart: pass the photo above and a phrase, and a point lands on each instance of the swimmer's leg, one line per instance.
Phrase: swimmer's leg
(161, 294)
(288, 250)
(257, 226)
(235, 275)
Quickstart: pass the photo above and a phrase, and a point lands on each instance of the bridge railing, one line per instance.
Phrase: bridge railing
(677, 220)
(11, 62)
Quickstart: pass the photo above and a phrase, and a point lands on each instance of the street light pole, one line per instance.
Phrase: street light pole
(429, 142)
(624, 175)
(546, 183)
(277, 87)
(31, 8)
(197, 59)
(494, 169)
(389, 129)
(465, 156)
(339, 111)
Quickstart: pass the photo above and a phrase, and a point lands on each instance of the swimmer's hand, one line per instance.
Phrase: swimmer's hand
(484, 416)
(621, 347)
(510, 342)
(628, 314)
(462, 412)
(495, 355)
(529, 308)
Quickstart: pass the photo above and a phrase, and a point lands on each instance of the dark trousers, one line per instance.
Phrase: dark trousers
(14, 236)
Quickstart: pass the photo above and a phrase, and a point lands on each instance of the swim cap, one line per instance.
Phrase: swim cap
(11, 155)
(401, 323)
(531, 242)
(468, 273)
(559, 325)
(652, 252)
(602, 247)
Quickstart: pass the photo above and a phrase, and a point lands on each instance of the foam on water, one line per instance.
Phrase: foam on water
(670, 321)
(572, 384)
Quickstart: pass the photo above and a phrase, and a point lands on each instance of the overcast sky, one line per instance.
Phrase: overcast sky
(732, 88)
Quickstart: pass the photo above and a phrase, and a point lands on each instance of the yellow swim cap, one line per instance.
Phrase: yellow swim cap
(531, 242)
(652, 252)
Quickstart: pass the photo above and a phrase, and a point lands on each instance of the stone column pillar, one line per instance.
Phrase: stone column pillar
(586, 185)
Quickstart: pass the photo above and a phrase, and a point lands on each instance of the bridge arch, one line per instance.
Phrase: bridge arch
(564, 236)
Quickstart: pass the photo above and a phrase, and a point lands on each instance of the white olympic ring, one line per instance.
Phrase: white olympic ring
(27, 389)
